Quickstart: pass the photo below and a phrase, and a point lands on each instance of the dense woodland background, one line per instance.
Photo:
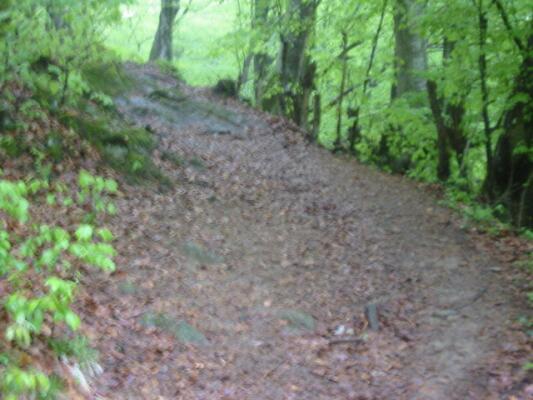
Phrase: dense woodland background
(439, 90)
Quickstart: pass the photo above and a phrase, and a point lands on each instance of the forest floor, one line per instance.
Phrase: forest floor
(249, 276)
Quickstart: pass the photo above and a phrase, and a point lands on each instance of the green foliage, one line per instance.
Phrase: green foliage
(47, 44)
(54, 51)
(16, 383)
(77, 348)
(482, 217)
(37, 260)
(216, 38)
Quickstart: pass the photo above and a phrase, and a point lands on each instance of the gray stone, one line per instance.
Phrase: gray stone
(203, 256)
(189, 334)
(298, 320)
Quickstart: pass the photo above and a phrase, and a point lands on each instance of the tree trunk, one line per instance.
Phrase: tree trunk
(443, 166)
(409, 50)
(162, 45)
(354, 132)
(338, 132)
(449, 123)
(410, 60)
(261, 59)
(297, 69)
(512, 179)
(317, 114)
(487, 129)
(243, 75)
(56, 12)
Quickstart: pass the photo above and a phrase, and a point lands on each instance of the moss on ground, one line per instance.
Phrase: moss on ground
(108, 78)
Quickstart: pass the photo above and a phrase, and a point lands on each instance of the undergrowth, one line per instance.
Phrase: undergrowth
(40, 265)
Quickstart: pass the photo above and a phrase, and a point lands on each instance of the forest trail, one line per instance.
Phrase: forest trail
(249, 278)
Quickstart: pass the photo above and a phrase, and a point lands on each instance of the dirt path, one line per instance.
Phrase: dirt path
(249, 278)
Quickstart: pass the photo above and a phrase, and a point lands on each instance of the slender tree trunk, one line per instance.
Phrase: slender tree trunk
(448, 121)
(482, 63)
(162, 45)
(338, 137)
(410, 61)
(56, 12)
(317, 114)
(243, 75)
(443, 166)
(297, 69)
(409, 50)
(455, 112)
(512, 179)
(261, 59)
(354, 132)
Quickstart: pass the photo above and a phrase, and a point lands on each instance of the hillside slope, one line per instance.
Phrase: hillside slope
(249, 276)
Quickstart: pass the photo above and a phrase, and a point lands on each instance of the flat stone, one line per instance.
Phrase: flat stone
(445, 313)
(449, 263)
(200, 254)
(189, 334)
(298, 320)
(181, 330)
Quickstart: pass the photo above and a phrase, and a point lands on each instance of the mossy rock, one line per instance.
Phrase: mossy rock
(173, 158)
(226, 87)
(197, 163)
(125, 148)
(127, 287)
(172, 95)
(169, 68)
(200, 254)
(182, 330)
(298, 320)
(109, 78)
(189, 334)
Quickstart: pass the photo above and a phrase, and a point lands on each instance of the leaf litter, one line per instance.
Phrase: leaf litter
(251, 276)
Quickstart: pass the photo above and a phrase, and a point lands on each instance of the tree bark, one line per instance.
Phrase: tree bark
(482, 65)
(443, 165)
(317, 115)
(261, 59)
(512, 179)
(297, 68)
(56, 13)
(409, 50)
(448, 118)
(354, 132)
(162, 45)
(338, 138)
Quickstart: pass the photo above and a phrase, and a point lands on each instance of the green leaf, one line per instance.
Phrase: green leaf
(111, 209)
(84, 233)
(105, 235)
(50, 199)
(85, 179)
(111, 186)
(72, 320)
